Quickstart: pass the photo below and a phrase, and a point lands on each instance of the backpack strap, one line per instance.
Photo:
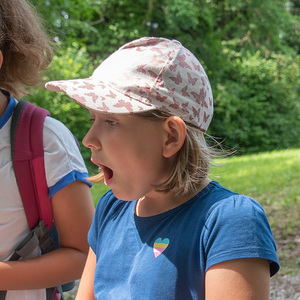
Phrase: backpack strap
(27, 153)
(28, 161)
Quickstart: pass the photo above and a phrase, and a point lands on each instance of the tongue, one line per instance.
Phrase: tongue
(108, 174)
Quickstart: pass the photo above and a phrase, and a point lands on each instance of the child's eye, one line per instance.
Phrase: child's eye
(111, 123)
(92, 120)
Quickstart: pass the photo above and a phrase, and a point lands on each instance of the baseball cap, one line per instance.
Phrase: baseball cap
(146, 74)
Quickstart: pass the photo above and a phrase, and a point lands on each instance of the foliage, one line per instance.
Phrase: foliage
(68, 20)
(257, 106)
(69, 63)
(249, 48)
(253, 24)
(101, 25)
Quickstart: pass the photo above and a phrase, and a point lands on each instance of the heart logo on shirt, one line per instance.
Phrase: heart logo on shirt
(160, 245)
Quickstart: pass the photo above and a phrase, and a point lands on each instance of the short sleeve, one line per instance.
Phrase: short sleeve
(102, 211)
(92, 234)
(237, 227)
(63, 161)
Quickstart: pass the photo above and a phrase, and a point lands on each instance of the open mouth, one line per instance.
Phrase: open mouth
(107, 172)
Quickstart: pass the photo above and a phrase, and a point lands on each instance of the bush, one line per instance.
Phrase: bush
(257, 106)
(70, 63)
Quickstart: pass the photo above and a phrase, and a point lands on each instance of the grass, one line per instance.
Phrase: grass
(273, 179)
(97, 191)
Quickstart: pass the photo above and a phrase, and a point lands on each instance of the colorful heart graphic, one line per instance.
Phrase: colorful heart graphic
(160, 245)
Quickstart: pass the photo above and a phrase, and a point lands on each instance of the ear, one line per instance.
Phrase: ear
(175, 130)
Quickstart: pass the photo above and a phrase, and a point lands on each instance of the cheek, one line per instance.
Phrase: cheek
(149, 153)
(155, 167)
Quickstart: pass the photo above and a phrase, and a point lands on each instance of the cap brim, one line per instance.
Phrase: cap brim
(98, 96)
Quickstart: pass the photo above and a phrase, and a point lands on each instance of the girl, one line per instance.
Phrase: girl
(24, 52)
(164, 230)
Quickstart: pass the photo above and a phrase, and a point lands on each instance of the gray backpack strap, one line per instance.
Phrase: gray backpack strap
(2, 295)
(36, 237)
(25, 248)
(39, 236)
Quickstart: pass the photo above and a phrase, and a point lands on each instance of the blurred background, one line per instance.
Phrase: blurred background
(250, 50)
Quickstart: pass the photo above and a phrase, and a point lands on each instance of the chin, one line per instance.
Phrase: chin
(125, 197)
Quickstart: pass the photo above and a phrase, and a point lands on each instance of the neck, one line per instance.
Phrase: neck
(3, 103)
(158, 203)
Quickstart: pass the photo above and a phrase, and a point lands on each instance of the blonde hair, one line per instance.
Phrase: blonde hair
(193, 159)
(25, 47)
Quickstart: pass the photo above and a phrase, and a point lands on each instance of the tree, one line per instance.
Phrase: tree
(249, 48)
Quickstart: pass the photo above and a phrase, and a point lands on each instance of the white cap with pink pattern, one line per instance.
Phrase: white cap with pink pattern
(146, 74)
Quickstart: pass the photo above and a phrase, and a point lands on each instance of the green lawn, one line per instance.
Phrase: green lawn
(273, 179)
(97, 191)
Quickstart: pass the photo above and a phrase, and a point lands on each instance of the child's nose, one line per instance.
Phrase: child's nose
(91, 140)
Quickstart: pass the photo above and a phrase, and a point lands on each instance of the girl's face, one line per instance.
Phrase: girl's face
(129, 150)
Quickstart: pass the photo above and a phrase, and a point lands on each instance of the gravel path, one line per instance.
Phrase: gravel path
(282, 288)
(285, 287)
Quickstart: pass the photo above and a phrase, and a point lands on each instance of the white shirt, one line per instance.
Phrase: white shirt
(63, 165)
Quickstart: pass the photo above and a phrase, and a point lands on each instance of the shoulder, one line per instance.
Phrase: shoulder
(221, 207)
(223, 202)
(59, 143)
(237, 227)
(237, 207)
(56, 130)
(63, 161)
(234, 211)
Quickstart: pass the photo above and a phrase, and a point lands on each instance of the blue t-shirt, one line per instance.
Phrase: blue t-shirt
(166, 256)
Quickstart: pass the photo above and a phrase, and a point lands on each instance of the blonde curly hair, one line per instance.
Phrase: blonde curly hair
(25, 47)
